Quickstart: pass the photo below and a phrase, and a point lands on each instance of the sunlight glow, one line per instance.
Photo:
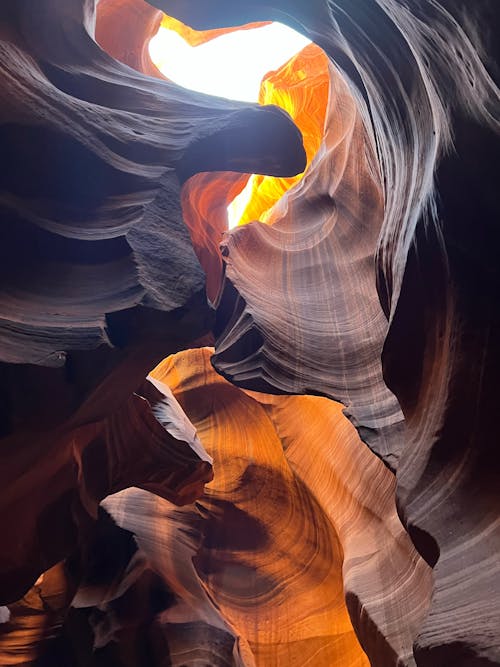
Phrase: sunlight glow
(231, 65)
(237, 207)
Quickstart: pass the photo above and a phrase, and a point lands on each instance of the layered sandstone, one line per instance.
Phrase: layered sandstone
(359, 526)
(421, 76)
(99, 277)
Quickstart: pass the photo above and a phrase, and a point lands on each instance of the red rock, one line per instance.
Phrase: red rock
(99, 277)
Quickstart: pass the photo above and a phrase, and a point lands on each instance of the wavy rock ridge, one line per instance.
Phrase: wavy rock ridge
(372, 281)
(90, 194)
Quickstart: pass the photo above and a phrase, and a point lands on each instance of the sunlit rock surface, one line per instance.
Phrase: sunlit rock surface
(300, 87)
(258, 571)
(275, 581)
(36, 619)
(316, 260)
(99, 277)
(294, 553)
(421, 75)
(271, 555)
(321, 486)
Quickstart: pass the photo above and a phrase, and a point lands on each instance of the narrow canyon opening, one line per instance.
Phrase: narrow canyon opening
(268, 63)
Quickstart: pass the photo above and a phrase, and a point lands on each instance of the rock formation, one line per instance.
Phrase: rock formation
(100, 280)
(353, 523)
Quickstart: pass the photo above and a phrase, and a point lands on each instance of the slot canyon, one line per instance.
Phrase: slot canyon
(269, 443)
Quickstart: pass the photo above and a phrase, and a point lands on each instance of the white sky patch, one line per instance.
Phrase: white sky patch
(231, 65)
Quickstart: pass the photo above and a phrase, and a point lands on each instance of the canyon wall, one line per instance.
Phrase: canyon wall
(322, 487)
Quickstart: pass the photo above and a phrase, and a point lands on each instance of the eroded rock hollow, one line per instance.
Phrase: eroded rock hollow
(273, 446)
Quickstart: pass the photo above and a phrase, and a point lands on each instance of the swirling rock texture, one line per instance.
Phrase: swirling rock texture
(422, 75)
(211, 573)
(99, 277)
(301, 88)
(289, 610)
(320, 245)
(320, 515)
(374, 279)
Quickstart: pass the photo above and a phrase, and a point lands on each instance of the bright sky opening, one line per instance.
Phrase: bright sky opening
(232, 65)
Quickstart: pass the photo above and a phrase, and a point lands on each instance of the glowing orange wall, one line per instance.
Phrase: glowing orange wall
(301, 88)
